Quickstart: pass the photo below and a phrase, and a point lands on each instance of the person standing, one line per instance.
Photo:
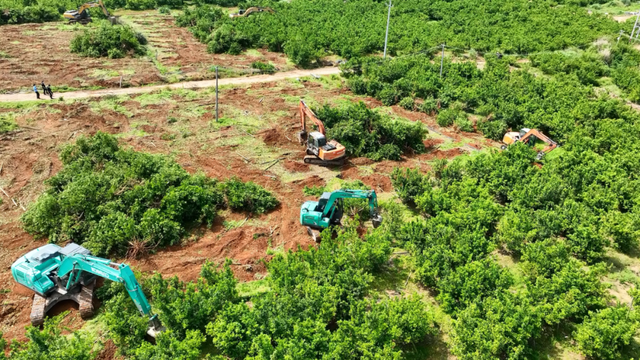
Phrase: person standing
(35, 89)
(49, 91)
(44, 88)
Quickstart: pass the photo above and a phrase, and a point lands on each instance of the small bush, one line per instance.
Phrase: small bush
(604, 334)
(429, 106)
(164, 10)
(107, 40)
(463, 123)
(313, 190)
(446, 117)
(407, 103)
(7, 123)
(409, 183)
(248, 196)
(263, 67)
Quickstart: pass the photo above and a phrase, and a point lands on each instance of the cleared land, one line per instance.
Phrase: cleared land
(258, 127)
(32, 53)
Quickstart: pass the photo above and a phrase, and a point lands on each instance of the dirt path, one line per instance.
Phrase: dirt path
(186, 85)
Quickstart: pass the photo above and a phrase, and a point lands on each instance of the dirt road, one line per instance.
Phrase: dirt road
(186, 85)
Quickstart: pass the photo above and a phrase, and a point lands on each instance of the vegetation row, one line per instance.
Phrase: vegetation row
(114, 200)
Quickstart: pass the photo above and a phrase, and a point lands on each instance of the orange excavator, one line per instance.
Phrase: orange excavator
(319, 150)
(83, 16)
(249, 11)
(530, 137)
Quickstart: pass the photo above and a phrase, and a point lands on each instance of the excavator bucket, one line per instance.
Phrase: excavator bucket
(376, 220)
(155, 327)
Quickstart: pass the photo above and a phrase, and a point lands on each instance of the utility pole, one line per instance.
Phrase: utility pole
(635, 27)
(619, 36)
(216, 94)
(386, 35)
(442, 60)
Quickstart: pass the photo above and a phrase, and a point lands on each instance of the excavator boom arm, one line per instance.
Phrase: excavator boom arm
(92, 5)
(104, 268)
(306, 112)
(539, 135)
(351, 194)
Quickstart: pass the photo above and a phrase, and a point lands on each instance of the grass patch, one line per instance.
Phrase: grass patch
(113, 103)
(252, 288)
(108, 73)
(158, 97)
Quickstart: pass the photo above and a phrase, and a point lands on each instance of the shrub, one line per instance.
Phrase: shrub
(605, 333)
(454, 115)
(408, 103)
(463, 123)
(164, 10)
(7, 123)
(50, 343)
(429, 106)
(384, 137)
(107, 40)
(409, 183)
(108, 198)
(263, 67)
(248, 196)
(33, 13)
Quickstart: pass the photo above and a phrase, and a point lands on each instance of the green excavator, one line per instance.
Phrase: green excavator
(328, 210)
(56, 274)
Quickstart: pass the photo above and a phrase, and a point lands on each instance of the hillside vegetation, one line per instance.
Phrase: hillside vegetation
(307, 31)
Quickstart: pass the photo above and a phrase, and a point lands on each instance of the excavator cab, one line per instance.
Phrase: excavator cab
(320, 151)
(317, 141)
(531, 138)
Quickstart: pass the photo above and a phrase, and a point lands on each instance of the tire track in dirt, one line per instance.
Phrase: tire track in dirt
(181, 85)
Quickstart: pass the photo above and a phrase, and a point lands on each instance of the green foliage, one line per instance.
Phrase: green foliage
(107, 197)
(310, 292)
(164, 10)
(316, 289)
(115, 41)
(587, 67)
(472, 283)
(313, 190)
(263, 67)
(7, 123)
(49, 343)
(499, 327)
(307, 31)
(384, 137)
(248, 196)
(408, 103)
(19, 12)
(605, 333)
(168, 346)
(409, 183)
(191, 306)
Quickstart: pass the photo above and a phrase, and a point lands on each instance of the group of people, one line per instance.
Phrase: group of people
(46, 90)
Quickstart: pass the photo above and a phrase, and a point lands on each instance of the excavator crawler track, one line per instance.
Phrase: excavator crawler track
(314, 160)
(83, 297)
